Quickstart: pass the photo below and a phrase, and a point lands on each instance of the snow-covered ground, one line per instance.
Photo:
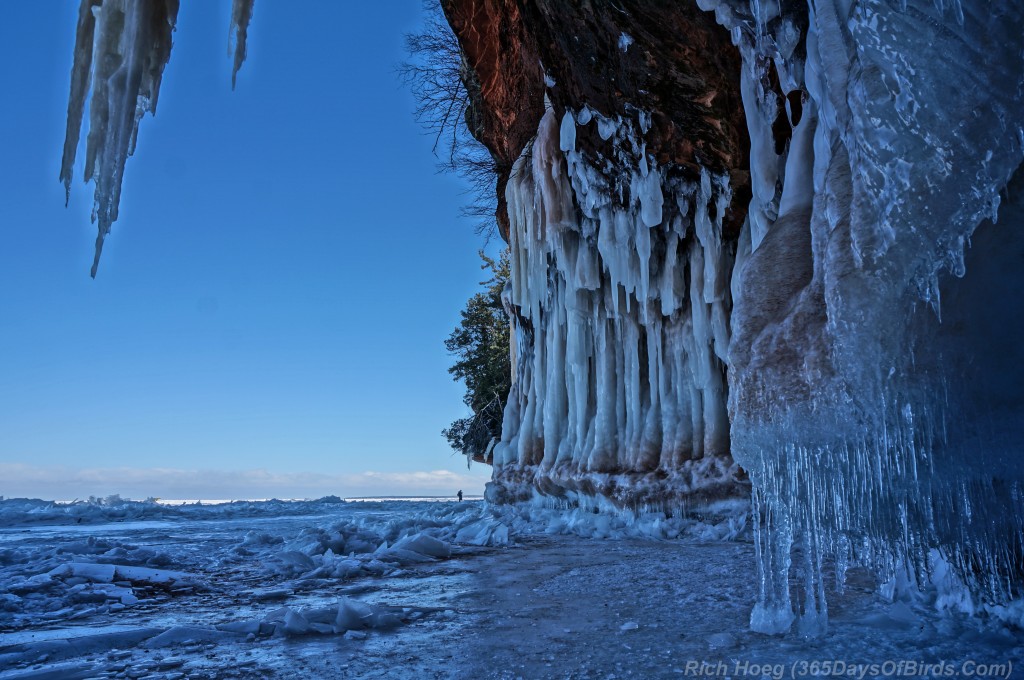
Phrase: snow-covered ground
(427, 589)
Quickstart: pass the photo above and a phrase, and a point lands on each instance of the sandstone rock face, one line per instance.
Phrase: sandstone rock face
(667, 58)
(503, 76)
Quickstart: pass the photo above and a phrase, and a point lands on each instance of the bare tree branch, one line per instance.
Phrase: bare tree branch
(434, 74)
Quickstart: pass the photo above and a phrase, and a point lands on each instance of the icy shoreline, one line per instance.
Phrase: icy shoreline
(414, 589)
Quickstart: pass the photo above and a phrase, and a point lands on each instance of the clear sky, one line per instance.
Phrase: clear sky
(269, 313)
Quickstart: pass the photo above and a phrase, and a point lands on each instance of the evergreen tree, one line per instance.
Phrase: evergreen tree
(480, 345)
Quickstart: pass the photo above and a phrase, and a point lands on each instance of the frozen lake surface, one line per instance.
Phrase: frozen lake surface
(409, 589)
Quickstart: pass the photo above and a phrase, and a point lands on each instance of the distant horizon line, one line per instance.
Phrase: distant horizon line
(224, 501)
(64, 482)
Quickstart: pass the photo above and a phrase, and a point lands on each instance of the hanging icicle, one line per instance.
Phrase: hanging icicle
(121, 49)
(241, 15)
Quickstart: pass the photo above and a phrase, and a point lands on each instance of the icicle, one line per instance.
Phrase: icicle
(122, 47)
(610, 379)
(862, 219)
(80, 72)
(241, 15)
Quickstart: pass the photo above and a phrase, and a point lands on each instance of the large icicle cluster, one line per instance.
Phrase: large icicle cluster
(121, 49)
(875, 366)
(620, 300)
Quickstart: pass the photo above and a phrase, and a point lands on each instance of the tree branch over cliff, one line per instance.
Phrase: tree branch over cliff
(434, 72)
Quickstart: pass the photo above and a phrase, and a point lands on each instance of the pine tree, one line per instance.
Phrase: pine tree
(480, 345)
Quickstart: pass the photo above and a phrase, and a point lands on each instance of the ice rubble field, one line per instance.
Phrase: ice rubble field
(137, 589)
(59, 562)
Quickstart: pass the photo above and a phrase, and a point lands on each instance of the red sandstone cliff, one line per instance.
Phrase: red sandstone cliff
(679, 65)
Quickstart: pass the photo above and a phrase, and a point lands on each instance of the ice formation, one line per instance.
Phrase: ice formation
(121, 49)
(241, 15)
(83, 574)
(620, 299)
(201, 592)
(856, 352)
(874, 370)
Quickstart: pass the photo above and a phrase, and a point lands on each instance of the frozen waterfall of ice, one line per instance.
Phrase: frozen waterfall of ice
(875, 362)
(620, 300)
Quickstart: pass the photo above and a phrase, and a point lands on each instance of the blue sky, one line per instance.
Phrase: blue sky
(269, 313)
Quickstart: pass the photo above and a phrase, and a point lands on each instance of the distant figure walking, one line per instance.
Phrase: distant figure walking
(460, 495)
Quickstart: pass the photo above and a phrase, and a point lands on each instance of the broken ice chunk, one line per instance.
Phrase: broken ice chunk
(424, 544)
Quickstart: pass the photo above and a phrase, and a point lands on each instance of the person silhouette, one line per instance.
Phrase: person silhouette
(460, 495)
